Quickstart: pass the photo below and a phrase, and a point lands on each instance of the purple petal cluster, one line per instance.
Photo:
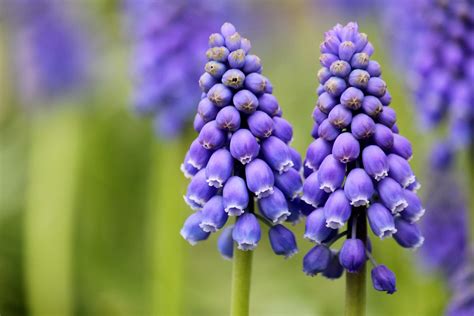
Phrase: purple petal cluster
(241, 155)
(169, 44)
(358, 163)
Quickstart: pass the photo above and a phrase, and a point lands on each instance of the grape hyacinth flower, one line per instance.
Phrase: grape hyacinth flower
(242, 153)
(169, 45)
(357, 167)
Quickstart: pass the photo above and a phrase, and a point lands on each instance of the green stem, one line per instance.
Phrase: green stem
(241, 275)
(356, 282)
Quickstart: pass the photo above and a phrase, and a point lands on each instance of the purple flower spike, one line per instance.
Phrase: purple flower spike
(381, 221)
(407, 235)
(191, 230)
(316, 230)
(243, 146)
(219, 168)
(316, 260)
(331, 174)
(337, 210)
(340, 116)
(346, 148)
(228, 119)
(358, 187)
(213, 215)
(260, 178)
(211, 136)
(277, 154)
(235, 196)
(283, 241)
(274, 207)
(246, 232)
(400, 170)
(391, 194)
(352, 256)
(225, 243)
(261, 124)
(383, 279)
(352, 98)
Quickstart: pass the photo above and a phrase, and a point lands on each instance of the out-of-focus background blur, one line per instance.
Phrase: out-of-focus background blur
(91, 198)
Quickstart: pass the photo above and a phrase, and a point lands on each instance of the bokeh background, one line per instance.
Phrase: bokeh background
(91, 198)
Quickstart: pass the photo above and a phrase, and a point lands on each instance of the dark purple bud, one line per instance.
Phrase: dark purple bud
(252, 64)
(316, 229)
(358, 187)
(324, 74)
(386, 99)
(282, 129)
(391, 194)
(376, 86)
(260, 179)
(216, 39)
(395, 129)
(294, 207)
(318, 115)
(274, 207)
(261, 124)
(334, 269)
(296, 158)
(407, 235)
(256, 83)
(268, 104)
(402, 147)
(207, 110)
(236, 59)
(219, 168)
(218, 54)
(399, 170)
(243, 146)
(414, 210)
(235, 196)
(352, 98)
(383, 136)
(375, 162)
(289, 183)
(199, 192)
(326, 102)
(352, 256)
(335, 86)
(220, 95)
(215, 69)
(359, 78)
(339, 68)
(340, 116)
(346, 50)
(328, 131)
(331, 174)
(206, 81)
(227, 29)
(315, 131)
(246, 232)
(283, 241)
(211, 136)
(374, 69)
(317, 151)
(198, 156)
(233, 78)
(346, 148)
(225, 243)
(316, 260)
(360, 61)
(381, 221)
(362, 126)
(387, 117)
(372, 106)
(228, 119)
(233, 41)
(245, 101)
(383, 279)
(337, 210)
(191, 230)
(277, 154)
(187, 169)
(327, 59)
(213, 216)
(312, 193)
(198, 123)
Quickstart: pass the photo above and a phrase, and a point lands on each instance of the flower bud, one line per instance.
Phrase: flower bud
(233, 78)
(386, 99)
(218, 53)
(346, 50)
(327, 59)
(352, 98)
(215, 69)
(374, 69)
(391, 194)
(227, 29)
(362, 126)
(331, 174)
(328, 131)
(289, 183)
(277, 154)
(243, 146)
(340, 116)
(211, 136)
(381, 221)
(346, 148)
(245, 101)
(387, 117)
(334, 269)
(361, 41)
(375, 162)
(358, 187)
(233, 41)
(198, 122)
(213, 215)
(407, 235)
(335, 86)
(337, 210)
(246, 232)
(259, 178)
(198, 156)
(268, 104)
(187, 169)
(219, 168)
(235, 196)
(352, 256)
(207, 110)
(191, 230)
(199, 192)
(399, 170)
(225, 243)
(312, 193)
(296, 158)
(216, 39)
(315, 131)
(316, 260)
(376, 86)
(383, 136)
(372, 106)
(220, 95)
(319, 116)
(326, 102)
(324, 74)
(206, 81)
(330, 45)
(282, 129)
(414, 211)
(383, 279)
(252, 64)
(316, 229)
(402, 147)
(359, 78)
(339, 68)
(316, 152)
(256, 83)
(228, 119)
(260, 124)
(283, 241)
(368, 49)
(236, 59)
(360, 61)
